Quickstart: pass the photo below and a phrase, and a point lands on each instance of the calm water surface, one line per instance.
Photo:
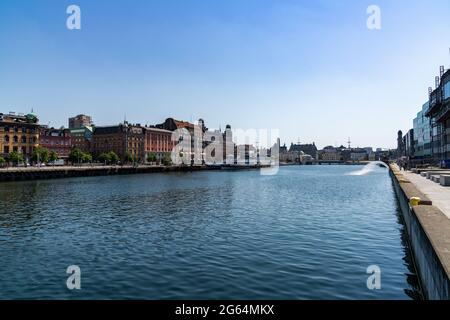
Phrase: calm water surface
(306, 233)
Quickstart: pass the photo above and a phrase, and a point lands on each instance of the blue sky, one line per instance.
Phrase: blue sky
(309, 68)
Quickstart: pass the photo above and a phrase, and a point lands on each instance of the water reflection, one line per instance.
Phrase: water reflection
(307, 233)
(415, 290)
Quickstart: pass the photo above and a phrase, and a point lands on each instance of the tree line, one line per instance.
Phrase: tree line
(77, 156)
(39, 155)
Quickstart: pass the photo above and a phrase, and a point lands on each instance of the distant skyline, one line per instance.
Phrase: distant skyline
(310, 69)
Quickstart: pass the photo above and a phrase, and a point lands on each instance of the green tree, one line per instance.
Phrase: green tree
(113, 157)
(86, 157)
(15, 157)
(53, 156)
(128, 157)
(104, 158)
(2, 161)
(151, 157)
(40, 154)
(167, 160)
(76, 156)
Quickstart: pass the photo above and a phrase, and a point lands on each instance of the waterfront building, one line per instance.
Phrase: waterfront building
(330, 156)
(408, 144)
(290, 157)
(385, 154)
(19, 133)
(439, 114)
(294, 156)
(158, 142)
(228, 152)
(81, 138)
(400, 150)
(354, 154)
(56, 140)
(79, 121)
(171, 124)
(123, 139)
(306, 159)
(422, 136)
(330, 153)
(246, 154)
(309, 149)
(358, 156)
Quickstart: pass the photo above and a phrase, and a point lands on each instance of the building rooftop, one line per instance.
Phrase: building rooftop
(30, 118)
(157, 130)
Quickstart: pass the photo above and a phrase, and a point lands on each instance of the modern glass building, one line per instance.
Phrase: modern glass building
(422, 135)
(439, 114)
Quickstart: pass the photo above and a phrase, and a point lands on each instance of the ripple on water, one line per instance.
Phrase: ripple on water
(307, 233)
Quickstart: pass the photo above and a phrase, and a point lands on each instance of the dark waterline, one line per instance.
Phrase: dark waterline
(306, 233)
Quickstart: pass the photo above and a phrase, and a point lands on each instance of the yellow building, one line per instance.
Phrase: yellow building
(19, 133)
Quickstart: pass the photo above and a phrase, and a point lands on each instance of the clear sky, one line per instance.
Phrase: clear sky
(309, 68)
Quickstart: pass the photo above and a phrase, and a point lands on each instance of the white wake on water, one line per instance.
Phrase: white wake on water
(368, 168)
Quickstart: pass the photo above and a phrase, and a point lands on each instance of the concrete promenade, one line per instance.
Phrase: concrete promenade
(428, 230)
(439, 195)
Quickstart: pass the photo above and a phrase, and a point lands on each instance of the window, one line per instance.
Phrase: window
(24, 139)
(6, 139)
(16, 139)
(447, 90)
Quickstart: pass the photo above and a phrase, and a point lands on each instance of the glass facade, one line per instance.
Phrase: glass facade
(422, 134)
(438, 126)
(447, 90)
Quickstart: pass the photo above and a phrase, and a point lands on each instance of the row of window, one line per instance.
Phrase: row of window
(159, 137)
(16, 129)
(447, 90)
(23, 139)
(57, 142)
(23, 150)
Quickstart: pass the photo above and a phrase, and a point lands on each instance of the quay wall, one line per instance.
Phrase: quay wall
(429, 237)
(22, 174)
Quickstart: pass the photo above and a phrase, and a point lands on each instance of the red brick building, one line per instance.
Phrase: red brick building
(171, 124)
(82, 138)
(56, 140)
(122, 139)
(159, 142)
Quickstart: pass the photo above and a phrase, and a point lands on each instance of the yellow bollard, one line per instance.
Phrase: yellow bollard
(414, 201)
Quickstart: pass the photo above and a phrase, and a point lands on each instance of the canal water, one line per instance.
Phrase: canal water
(309, 232)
